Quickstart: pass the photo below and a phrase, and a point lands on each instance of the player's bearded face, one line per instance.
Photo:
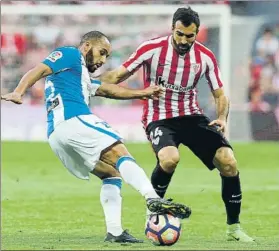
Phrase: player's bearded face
(182, 48)
(97, 55)
(184, 37)
(90, 61)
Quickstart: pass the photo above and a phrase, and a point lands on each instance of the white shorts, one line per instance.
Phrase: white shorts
(79, 141)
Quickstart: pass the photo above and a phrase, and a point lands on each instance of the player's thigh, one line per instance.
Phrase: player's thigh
(205, 141)
(163, 138)
(89, 136)
(69, 158)
(165, 146)
(75, 165)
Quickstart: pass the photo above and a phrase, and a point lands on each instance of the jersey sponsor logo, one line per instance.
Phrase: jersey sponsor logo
(54, 56)
(54, 104)
(162, 82)
(155, 137)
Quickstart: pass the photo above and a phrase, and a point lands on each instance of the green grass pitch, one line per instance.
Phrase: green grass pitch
(44, 207)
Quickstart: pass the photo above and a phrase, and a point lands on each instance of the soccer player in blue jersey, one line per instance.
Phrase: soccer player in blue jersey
(83, 142)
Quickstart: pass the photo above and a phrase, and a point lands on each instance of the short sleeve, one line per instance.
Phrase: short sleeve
(136, 60)
(212, 73)
(62, 58)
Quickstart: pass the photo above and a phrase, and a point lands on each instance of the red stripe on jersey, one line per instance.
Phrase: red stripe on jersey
(184, 82)
(141, 51)
(146, 79)
(159, 72)
(171, 79)
(186, 70)
(198, 61)
(210, 54)
(197, 77)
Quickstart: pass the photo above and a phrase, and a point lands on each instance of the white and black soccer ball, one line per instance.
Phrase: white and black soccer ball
(163, 230)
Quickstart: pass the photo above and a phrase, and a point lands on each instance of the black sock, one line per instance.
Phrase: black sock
(231, 194)
(160, 180)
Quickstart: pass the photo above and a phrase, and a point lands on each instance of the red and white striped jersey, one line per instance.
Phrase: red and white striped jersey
(179, 75)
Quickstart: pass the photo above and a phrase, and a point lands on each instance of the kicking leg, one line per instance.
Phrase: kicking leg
(119, 156)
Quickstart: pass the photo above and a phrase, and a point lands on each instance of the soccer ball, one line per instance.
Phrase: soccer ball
(163, 230)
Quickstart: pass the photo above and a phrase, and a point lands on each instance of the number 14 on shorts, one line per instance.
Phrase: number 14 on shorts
(155, 137)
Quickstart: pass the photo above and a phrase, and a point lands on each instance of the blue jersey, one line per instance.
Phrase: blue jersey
(68, 88)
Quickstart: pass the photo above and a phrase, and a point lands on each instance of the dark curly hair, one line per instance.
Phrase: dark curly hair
(187, 16)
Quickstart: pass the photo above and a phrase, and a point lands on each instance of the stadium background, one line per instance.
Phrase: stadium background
(32, 178)
(254, 81)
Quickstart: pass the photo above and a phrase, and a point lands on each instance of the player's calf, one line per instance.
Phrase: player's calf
(111, 201)
(163, 172)
(131, 173)
(136, 177)
(231, 188)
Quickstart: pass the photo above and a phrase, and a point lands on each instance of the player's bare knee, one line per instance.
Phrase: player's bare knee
(113, 153)
(226, 162)
(169, 158)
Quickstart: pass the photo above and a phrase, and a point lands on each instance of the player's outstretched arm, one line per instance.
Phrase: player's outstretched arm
(28, 80)
(115, 76)
(118, 92)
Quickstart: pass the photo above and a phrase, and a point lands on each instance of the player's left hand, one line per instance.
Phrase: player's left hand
(152, 92)
(221, 124)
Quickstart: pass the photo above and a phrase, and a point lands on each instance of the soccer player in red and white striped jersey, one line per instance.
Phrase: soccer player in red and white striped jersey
(176, 63)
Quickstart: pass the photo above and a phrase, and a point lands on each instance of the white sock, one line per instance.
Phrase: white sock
(135, 176)
(111, 201)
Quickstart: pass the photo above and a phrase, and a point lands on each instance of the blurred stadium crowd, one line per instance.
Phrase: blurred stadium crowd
(264, 68)
(116, 2)
(26, 40)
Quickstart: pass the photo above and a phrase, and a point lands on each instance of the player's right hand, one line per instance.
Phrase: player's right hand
(153, 92)
(13, 97)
